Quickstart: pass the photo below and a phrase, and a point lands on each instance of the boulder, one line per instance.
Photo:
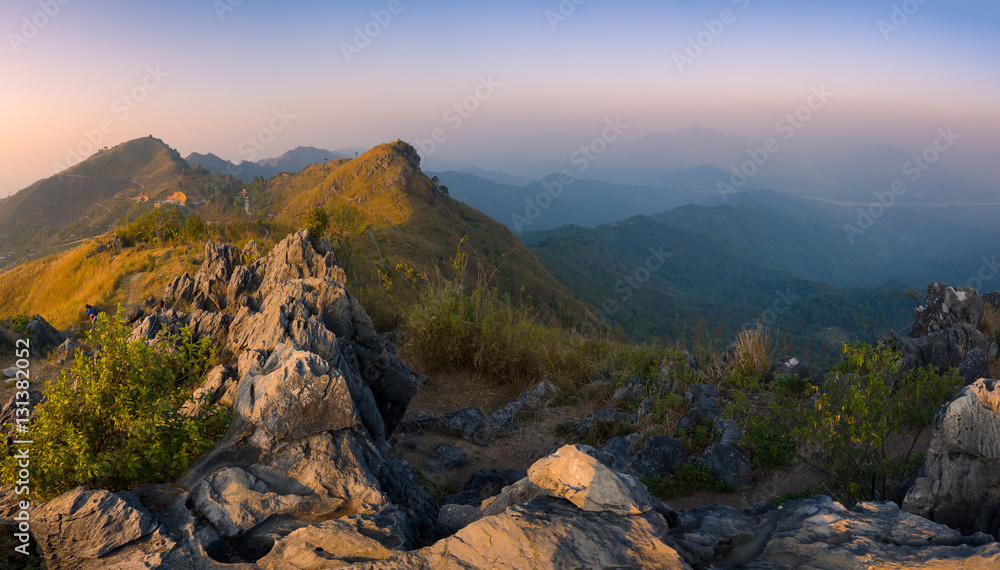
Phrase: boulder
(180, 289)
(84, 524)
(974, 366)
(620, 449)
(133, 315)
(729, 464)
(465, 422)
(484, 484)
(797, 367)
(443, 459)
(502, 421)
(659, 457)
(66, 351)
(959, 482)
(43, 337)
(942, 349)
(572, 474)
(604, 419)
(704, 402)
(235, 501)
(945, 307)
(454, 517)
(820, 533)
(9, 414)
(548, 533)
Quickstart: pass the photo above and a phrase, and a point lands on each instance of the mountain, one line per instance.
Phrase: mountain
(656, 279)
(807, 238)
(392, 223)
(98, 194)
(291, 161)
(580, 201)
(499, 177)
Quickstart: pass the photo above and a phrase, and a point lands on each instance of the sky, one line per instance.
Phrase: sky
(247, 79)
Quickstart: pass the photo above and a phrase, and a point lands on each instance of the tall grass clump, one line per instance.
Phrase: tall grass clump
(752, 353)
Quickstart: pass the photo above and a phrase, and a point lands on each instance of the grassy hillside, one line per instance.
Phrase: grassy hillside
(99, 194)
(397, 230)
(657, 280)
(58, 286)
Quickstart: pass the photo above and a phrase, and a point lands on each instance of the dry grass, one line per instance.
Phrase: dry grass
(753, 352)
(57, 287)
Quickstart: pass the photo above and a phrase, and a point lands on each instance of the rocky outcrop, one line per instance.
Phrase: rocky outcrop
(43, 337)
(945, 334)
(704, 402)
(959, 482)
(945, 307)
(821, 533)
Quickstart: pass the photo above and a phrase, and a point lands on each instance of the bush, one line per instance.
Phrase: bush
(868, 408)
(686, 479)
(316, 221)
(114, 420)
(161, 224)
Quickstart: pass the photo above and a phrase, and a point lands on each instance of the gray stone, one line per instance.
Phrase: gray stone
(659, 457)
(796, 367)
(465, 422)
(43, 337)
(946, 306)
(959, 483)
(704, 401)
(729, 464)
(443, 459)
(620, 449)
(9, 414)
(974, 366)
(454, 517)
(604, 419)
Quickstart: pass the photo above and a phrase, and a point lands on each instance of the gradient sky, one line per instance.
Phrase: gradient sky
(225, 76)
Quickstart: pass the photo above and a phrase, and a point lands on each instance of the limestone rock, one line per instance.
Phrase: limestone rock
(590, 485)
(946, 306)
(959, 482)
(704, 401)
(660, 456)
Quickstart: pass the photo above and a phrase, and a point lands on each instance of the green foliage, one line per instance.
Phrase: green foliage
(791, 384)
(19, 323)
(766, 415)
(115, 419)
(316, 221)
(601, 433)
(699, 437)
(194, 228)
(806, 493)
(867, 409)
(160, 224)
(686, 479)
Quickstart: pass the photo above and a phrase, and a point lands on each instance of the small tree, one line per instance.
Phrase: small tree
(115, 419)
(316, 221)
(860, 414)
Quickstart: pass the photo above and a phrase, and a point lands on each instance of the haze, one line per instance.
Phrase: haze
(211, 75)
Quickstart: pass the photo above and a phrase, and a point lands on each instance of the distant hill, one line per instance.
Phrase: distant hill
(98, 194)
(392, 217)
(582, 202)
(292, 161)
(655, 279)
(807, 238)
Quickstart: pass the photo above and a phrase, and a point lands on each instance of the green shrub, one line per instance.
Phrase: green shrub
(686, 479)
(316, 221)
(791, 384)
(699, 437)
(114, 420)
(868, 407)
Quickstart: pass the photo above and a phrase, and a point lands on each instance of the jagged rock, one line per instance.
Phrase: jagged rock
(959, 483)
(297, 257)
(84, 524)
(218, 382)
(417, 423)
(208, 324)
(728, 463)
(403, 441)
(152, 324)
(502, 421)
(942, 349)
(133, 315)
(604, 419)
(443, 459)
(454, 517)
(212, 280)
(519, 493)
(548, 533)
(465, 422)
(65, 351)
(729, 430)
(660, 456)
(114, 244)
(341, 542)
(631, 393)
(620, 449)
(241, 281)
(9, 414)
(572, 474)
(296, 395)
(484, 484)
(946, 306)
(43, 337)
(820, 533)
(797, 367)
(704, 401)
(180, 289)
(235, 501)
(974, 366)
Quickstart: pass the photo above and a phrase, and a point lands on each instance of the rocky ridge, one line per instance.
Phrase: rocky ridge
(303, 477)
